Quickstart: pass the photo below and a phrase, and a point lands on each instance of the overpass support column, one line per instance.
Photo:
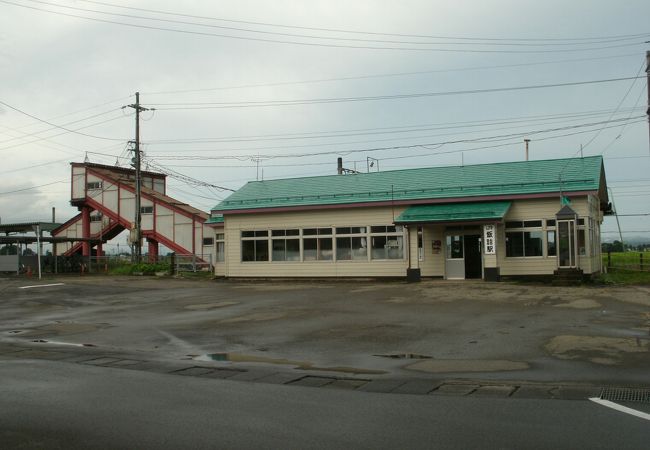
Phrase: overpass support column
(85, 230)
(152, 250)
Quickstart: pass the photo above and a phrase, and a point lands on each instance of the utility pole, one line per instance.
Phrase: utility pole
(137, 162)
(647, 72)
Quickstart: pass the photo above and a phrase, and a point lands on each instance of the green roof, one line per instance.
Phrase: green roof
(454, 212)
(498, 179)
(217, 218)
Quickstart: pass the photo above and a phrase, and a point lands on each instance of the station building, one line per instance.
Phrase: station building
(478, 221)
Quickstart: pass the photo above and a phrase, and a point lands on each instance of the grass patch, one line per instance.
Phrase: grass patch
(624, 277)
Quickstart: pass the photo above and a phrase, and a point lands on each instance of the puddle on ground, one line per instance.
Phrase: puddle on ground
(580, 304)
(45, 341)
(303, 365)
(467, 365)
(206, 306)
(404, 356)
(597, 349)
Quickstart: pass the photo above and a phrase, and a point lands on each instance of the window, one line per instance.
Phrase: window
(285, 245)
(351, 247)
(146, 209)
(387, 242)
(550, 243)
(525, 242)
(255, 245)
(582, 249)
(221, 247)
(208, 241)
(420, 243)
(455, 247)
(317, 244)
(96, 218)
(92, 185)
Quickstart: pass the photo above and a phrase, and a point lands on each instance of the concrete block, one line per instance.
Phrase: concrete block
(455, 389)
(384, 386)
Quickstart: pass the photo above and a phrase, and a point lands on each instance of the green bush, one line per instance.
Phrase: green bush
(142, 268)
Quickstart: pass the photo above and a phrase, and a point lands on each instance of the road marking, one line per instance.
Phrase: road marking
(620, 408)
(40, 285)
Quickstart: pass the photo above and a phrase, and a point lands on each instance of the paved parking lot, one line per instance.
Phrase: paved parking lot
(434, 330)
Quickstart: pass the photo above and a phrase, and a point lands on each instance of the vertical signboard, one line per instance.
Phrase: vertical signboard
(490, 240)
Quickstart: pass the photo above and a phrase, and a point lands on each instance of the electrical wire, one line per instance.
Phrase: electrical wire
(312, 44)
(381, 130)
(33, 187)
(249, 104)
(56, 126)
(387, 75)
(338, 30)
(339, 38)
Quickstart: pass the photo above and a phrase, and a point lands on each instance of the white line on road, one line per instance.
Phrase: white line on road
(620, 408)
(40, 285)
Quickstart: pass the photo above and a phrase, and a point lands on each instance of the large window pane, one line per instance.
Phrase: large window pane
(343, 249)
(387, 247)
(551, 248)
(221, 251)
(359, 248)
(515, 244)
(454, 247)
(261, 250)
(533, 243)
(293, 250)
(248, 250)
(325, 249)
(279, 250)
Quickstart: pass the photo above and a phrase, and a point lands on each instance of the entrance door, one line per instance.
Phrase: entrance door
(455, 258)
(473, 264)
(566, 243)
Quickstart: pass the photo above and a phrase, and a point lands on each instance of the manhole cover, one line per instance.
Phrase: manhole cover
(626, 395)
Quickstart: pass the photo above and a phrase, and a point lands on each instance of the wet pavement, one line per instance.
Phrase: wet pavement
(434, 338)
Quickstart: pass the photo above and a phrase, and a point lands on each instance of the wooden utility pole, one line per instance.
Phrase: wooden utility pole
(137, 163)
(647, 71)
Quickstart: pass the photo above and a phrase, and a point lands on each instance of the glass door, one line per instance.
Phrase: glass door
(455, 258)
(566, 243)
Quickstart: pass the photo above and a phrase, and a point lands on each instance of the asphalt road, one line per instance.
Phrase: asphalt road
(54, 405)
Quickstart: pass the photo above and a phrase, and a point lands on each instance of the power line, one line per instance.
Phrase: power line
(387, 75)
(339, 30)
(312, 44)
(33, 187)
(349, 39)
(381, 130)
(397, 147)
(56, 126)
(249, 104)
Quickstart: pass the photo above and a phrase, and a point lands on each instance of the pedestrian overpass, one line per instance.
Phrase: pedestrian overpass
(105, 197)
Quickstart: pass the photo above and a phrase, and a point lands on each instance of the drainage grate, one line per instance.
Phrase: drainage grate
(626, 395)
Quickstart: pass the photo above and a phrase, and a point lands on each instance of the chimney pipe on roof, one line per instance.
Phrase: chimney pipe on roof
(526, 141)
(53, 214)
(339, 166)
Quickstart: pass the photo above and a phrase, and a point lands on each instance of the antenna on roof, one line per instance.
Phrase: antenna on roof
(86, 160)
(581, 155)
(526, 141)
(462, 159)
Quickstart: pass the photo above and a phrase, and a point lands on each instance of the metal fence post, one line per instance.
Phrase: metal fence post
(640, 261)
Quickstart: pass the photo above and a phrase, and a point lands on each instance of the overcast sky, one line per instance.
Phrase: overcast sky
(211, 67)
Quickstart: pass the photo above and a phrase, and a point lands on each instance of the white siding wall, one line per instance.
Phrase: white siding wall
(309, 219)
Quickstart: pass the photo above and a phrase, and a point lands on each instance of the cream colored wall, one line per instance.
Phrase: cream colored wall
(433, 264)
(234, 224)
(78, 182)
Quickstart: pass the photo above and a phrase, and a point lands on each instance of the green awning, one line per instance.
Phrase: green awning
(454, 212)
(214, 219)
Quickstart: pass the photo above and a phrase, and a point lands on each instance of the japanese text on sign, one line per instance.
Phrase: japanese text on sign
(489, 239)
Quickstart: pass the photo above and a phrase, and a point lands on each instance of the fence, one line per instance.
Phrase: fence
(180, 263)
(192, 263)
(633, 261)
